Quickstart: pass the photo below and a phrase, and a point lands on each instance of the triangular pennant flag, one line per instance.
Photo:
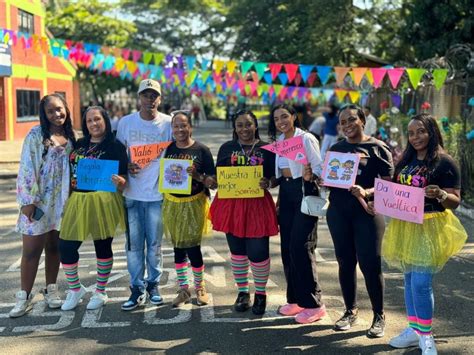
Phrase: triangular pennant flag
(370, 78)
(268, 78)
(291, 148)
(298, 79)
(245, 67)
(275, 69)
(439, 77)
(415, 74)
(378, 74)
(283, 92)
(305, 70)
(358, 75)
(143, 155)
(190, 61)
(218, 64)
(354, 96)
(158, 58)
(341, 73)
(255, 76)
(126, 53)
(147, 56)
(394, 74)
(205, 75)
(311, 78)
(260, 69)
(291, 70)
(204, 63)
(136, 55)
(283, 78)
(277, 89)
(231, 65)
(191, 77)
(396, 100)
(341, 94)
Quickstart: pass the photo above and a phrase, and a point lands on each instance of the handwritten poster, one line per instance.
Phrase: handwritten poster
(239, 181)
(145, 154)
(292, 148)
(399, 201)
(173, 176)
(96, 174)
(340, 169)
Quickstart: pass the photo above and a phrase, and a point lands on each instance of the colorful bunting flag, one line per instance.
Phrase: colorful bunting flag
(415, 75)
(439, 77)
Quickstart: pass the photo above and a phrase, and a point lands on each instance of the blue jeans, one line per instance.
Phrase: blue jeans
(419, 298)
(144, 225)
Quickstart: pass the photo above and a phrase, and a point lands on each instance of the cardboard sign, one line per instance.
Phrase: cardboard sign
(292, 149)
(340, 169)
(96, 174)
(173, 176)
(145, 154)
(239, 181)
(399, 201)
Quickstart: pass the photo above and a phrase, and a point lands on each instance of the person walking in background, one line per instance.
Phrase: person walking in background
(142, 199)
(422, 250)
(330, 129)
(370, 128)
(42, 191)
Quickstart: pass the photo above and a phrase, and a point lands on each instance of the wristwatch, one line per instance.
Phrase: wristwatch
(444, 196)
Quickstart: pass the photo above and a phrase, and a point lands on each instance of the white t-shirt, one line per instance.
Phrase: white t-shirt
(370, 125)
(134, 130)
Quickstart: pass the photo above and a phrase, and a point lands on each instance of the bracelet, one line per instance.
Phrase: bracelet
(444, 196)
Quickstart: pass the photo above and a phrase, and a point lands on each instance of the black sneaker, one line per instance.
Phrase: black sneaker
(378, 326)
(137, 298)
(154, 294)
(347, 320)
(242, 303)
(259, 304)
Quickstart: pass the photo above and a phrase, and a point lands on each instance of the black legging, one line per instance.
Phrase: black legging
(298, 242)
(194, 254)
(357, 237)
(69, 250)
(256, 249)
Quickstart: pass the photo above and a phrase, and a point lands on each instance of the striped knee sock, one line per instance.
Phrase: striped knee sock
(70, 270)
(182, 274)
(260, 271)
(104, 267)
(240, 269)
(424, 326)
(198, 273)
(412, 322)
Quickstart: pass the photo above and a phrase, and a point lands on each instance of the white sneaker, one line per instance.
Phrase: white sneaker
(51, 296)
(407, 338)
(73, 299)
(23, 304)
(427, 345)
(97, 300)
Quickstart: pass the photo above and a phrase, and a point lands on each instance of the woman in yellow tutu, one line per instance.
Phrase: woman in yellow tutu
(421, 250)
(185, 216)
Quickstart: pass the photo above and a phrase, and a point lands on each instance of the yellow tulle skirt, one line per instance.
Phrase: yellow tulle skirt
(423, 247)
(185, 219)
(93, 215)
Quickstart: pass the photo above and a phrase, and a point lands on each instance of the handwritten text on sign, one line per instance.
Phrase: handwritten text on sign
(291, 148)
(239, 181)
(96, 174)
(145, 154)
(399, 201)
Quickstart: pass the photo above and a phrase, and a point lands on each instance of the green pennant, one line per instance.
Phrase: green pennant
(204, 75)
(277, 89)
(147, 56)
(439, 77)
(158, 58)
(260, 68)
(415, 74)
(245, 67)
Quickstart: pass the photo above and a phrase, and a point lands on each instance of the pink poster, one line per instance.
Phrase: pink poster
(292, 148)
(399, 201)
(340, 169)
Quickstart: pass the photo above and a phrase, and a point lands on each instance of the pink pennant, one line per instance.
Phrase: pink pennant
(298, 79)
(292, 149)
(395, 75)
(275, 69)
(136, 55)
(283, 92)
(125, 53)
(378, 74)
(291, 71)
(311, 79)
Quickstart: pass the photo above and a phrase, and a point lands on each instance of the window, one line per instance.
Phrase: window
(26, 22)
(27, 105)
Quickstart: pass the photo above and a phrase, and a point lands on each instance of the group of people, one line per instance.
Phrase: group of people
(57, 216)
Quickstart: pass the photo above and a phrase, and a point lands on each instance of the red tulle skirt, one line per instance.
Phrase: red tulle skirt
(245, 217)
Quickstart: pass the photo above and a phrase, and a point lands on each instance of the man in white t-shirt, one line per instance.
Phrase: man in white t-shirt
(142, 199)
(370, 127)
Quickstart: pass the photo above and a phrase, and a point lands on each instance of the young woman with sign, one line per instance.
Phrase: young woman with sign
(96, 215)
(185, 217)
(247, 222)
(42, 191)
(297, 230)
(421, 250)
(357, 235)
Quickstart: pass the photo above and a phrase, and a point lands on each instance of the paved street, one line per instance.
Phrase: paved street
(216, 328)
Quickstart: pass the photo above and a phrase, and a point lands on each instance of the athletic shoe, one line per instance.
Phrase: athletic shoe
(51, 296)
(310, 315)
(242, 303)
(137, 298)
(154, 294)
(23, 304)
(377, 329)
(347, 320)
(406, 339)
(259, 304)
(97, 300)
(290, 309)
(73, 299)
(202, 297)
(184, 296)
(427, 345)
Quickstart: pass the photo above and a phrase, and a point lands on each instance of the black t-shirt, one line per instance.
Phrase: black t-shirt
(202, 160)
(232, 153)
(444, 173)
(375, 161)
(105, 150)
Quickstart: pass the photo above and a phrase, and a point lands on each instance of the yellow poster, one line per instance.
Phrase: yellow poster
(239, 181)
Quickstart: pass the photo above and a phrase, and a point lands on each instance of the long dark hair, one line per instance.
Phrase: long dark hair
(243, 113)
(109, 135)
(435, 145)
(46, 125)
(272, 130)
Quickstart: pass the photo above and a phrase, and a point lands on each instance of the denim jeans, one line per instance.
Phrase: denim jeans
(144, 226)
(419, 298)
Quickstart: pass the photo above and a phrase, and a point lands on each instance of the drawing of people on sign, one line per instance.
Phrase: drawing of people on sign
(175, 174)
(175, 178)
(334, 166)
(348, 170)
(340, 169)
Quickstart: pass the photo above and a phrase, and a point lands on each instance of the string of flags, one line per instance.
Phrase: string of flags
(266, 81)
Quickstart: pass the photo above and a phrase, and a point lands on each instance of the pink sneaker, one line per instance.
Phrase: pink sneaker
(290, 309)
(310, 315)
